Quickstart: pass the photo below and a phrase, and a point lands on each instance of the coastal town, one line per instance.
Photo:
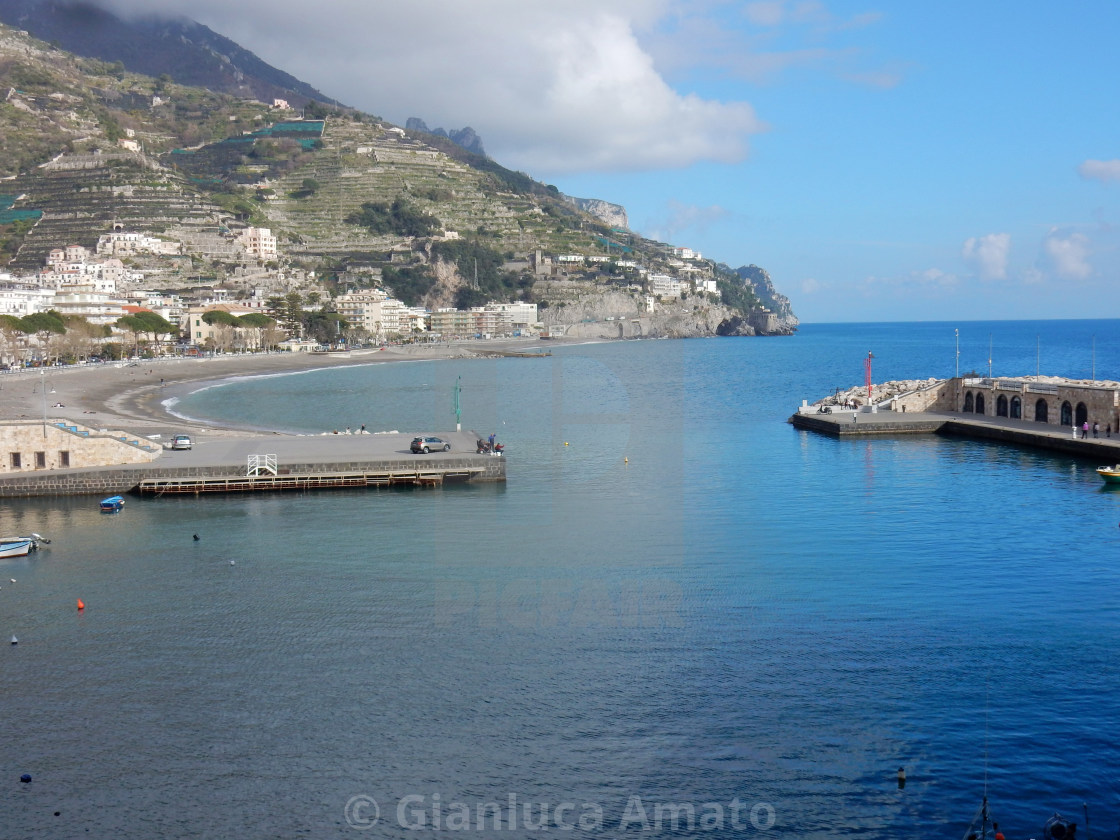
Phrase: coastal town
(97, 294)
(91, 292)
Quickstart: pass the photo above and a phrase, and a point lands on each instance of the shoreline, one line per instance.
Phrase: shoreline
(131, 395)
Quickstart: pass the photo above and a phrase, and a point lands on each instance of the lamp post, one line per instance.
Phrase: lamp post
(43, 388)
(957, 370)
(456, 407)
(867, 365)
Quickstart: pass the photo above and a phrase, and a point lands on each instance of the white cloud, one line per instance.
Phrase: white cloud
(682, 217)
(551, 88)
(810, 286)
(1068, 255)
(988, 255)
(1100, 170)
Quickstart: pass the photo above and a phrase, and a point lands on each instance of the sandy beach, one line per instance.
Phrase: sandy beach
(130, 395)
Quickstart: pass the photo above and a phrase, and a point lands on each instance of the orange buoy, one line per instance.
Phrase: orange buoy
(81, 605)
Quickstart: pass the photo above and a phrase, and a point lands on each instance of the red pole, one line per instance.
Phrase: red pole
(867, 366)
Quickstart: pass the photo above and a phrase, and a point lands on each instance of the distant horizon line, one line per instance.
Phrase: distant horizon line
(941, 321)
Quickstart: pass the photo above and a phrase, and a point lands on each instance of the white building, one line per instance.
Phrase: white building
(259, 243)
(662, 285)
(375, 312)
(517, 316)
(84, 302)
(125, 243)
(21, 300)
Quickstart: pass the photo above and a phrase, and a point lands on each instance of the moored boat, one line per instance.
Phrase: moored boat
(113, 504)
(1111, 475)
(15, 546)
(20, 546)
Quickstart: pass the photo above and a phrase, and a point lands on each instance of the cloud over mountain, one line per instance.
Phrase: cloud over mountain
(554, 89)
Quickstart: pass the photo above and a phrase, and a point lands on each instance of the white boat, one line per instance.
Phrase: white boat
(20, 546)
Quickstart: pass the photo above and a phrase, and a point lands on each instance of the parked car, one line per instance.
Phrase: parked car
(429, 444)
(181, 442)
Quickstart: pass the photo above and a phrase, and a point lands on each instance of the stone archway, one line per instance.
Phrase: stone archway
(1081, 414)
(968, 402)
(1042, 411)
(1001, 406)
(1067, 414)
(980, 404)
(1016, 408)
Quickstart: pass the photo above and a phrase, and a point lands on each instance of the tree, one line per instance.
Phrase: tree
(220, 316)
(325, 327)
(11, 330)
(155, 325)
(259, 323)
(44, 325)
(399, 218)
(133, 325)
(82, 337)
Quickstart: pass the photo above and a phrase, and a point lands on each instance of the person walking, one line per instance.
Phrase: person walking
(1085, 430)
(1096, 428)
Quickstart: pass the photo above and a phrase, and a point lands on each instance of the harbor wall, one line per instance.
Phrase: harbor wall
(114, 480)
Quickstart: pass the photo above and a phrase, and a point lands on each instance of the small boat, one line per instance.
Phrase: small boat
(113, 504)
(16, 546)
(20, 546)
(1111, 475)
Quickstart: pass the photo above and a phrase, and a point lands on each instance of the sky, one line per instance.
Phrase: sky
(882, 160)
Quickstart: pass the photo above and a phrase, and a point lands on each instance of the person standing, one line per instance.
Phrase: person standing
(1096, 428)
(1085, 430)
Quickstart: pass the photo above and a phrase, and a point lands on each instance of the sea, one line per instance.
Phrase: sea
(679, 617)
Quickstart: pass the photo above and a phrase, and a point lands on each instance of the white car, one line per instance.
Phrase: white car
(181, 442)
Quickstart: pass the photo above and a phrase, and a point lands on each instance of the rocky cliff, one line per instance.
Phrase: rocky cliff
(465, 137)
(612, 214)
(771, 298)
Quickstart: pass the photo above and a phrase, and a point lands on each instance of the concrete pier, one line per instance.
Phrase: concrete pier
(301, 463)
(850, 424)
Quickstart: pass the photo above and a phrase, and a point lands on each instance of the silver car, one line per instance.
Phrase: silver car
(429, 444)
(181, 442)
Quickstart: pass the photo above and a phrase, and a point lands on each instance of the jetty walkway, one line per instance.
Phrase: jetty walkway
(272, 463)
(845, 423)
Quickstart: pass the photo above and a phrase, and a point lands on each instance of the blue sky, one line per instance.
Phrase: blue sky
(882, 160)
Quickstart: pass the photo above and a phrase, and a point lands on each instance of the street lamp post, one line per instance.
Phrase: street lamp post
(43, 388)
(456, 406)
(957, 371)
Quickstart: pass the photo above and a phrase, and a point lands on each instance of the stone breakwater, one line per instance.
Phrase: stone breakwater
(881, 392)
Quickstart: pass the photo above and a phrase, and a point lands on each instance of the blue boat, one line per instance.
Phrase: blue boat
(113, 504)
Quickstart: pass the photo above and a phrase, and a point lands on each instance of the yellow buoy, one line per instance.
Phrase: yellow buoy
(565, 443)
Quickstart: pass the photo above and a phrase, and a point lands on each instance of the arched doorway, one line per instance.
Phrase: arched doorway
(1042, 411)
(968, 402)
(1016, 408)
(980, 404)
(1067, 414)
(1001, 406)
(1082, 414)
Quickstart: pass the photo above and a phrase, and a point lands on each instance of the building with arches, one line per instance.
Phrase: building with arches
(1069, 403)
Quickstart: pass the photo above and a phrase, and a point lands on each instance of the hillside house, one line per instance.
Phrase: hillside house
(258, 243)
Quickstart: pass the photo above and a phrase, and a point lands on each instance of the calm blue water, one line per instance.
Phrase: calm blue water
(676, 598)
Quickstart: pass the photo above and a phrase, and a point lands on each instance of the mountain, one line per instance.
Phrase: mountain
(465, 137)
(87, 148)
(612, 214)
(188, 52)
(771, 298)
